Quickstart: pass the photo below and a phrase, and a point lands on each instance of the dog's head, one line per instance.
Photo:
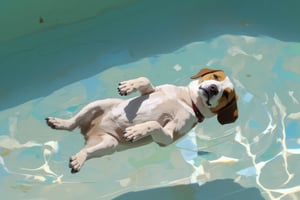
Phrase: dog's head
(216, 93)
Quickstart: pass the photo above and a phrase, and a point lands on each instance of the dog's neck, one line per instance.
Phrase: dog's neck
(198, 114)
(190, 97)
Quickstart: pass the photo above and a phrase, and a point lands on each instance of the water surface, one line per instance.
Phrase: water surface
(255, 157)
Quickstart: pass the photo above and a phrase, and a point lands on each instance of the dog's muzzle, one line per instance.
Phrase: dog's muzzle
(209, 92)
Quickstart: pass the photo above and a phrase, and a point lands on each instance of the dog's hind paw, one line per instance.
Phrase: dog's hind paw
(60, 124)
(77, 161)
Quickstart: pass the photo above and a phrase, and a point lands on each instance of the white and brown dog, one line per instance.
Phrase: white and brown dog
(161, 114)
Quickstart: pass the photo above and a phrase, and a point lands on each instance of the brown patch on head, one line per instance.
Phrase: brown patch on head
(210, 74)
(204, 72)
(217, 76)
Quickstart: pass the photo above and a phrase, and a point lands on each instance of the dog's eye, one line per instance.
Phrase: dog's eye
(226, 94)
(216, 77)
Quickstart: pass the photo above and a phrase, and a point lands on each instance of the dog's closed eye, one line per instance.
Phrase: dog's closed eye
(226, 94)
(216, 77)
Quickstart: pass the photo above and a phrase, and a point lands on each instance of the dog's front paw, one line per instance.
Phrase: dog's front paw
(134, 133)
(127, 87)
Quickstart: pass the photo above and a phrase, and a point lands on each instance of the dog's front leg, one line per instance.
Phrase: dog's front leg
(142, 84)
(159, 134)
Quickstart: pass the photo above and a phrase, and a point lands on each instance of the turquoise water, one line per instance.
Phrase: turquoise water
(255, 158)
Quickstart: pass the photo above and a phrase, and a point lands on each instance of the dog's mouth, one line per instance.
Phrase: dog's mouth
(206, 94)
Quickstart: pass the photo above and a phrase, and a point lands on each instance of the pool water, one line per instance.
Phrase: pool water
(255, 158)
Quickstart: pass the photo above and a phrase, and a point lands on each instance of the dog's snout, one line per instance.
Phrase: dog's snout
(213, 89)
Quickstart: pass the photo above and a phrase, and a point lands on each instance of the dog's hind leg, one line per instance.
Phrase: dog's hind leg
(97, 145)
(84, 117)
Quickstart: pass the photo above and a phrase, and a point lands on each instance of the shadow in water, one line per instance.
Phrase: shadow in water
(225, 189)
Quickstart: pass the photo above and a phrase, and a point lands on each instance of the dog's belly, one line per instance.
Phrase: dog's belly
(154, 107)
(145, 108)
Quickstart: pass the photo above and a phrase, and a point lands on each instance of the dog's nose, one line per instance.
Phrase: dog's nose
(213, 89)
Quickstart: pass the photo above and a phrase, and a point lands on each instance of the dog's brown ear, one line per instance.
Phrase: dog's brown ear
(229, 114)
(203, 72)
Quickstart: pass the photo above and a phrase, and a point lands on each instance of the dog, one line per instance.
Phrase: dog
(161, 114)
